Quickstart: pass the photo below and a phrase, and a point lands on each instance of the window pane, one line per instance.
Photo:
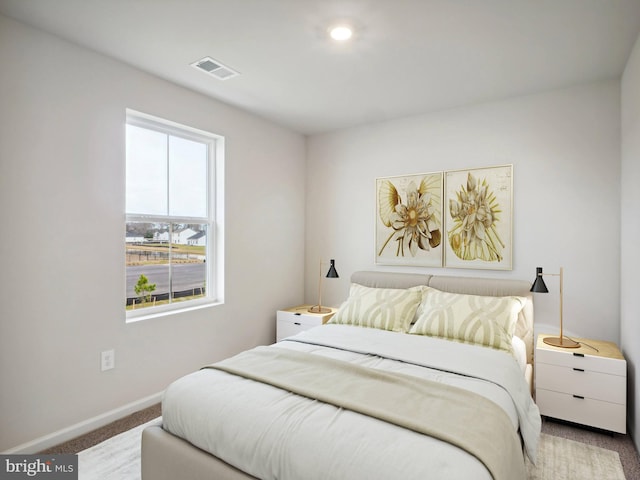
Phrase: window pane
(187, 178)
(147, 254)
(189, 256)
(146, 171)
(163, 258)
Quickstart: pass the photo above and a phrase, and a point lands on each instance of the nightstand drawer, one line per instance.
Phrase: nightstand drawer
(299, 318)
(287, 329)
(594, 385)
(592, 363)
(586, 411)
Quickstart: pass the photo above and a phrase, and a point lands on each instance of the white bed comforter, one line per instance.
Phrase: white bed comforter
(272, 434)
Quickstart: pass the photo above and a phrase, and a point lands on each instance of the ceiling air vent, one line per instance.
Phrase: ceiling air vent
(215, 68)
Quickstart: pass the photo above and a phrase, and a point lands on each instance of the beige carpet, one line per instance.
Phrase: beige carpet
(118, 458)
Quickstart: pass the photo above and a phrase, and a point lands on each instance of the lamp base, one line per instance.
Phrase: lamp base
(319, 309)
(560, 342)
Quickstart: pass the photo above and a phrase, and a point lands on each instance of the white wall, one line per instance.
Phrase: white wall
(565, 149)
(630, 233)
(62, 269)
(61, 189)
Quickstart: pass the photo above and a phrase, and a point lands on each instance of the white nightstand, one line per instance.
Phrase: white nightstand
(297, 319)
(582, 385)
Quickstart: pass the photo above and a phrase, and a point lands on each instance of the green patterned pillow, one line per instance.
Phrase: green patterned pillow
(489, 321)
(385, 308)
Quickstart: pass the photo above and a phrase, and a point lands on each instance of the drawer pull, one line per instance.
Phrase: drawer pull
(578, 369)
(297, 323)
(578, 354)
(579, 396)
(297, 313)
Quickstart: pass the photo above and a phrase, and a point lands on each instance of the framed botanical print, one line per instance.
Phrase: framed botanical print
(409, 220)
(478, 218)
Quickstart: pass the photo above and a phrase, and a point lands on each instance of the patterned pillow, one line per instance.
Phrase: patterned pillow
(489, 321)
(384, 308)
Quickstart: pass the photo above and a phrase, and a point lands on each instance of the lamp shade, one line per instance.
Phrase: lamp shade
(332, 273)
(538, 284)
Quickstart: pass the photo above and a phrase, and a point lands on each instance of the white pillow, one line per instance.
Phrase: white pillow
(476, 319)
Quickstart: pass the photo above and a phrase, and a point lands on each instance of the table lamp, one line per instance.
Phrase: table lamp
(332, 273)
(540, 287)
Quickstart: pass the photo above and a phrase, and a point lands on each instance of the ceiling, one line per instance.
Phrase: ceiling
(406, 57)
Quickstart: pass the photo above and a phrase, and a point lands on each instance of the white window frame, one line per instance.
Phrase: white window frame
(214, 293)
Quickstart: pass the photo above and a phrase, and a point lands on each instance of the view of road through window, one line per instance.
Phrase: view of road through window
(186, 277)
(148, 264)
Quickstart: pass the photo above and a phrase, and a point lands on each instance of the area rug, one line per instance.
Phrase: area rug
(118, 458)
(563, 459)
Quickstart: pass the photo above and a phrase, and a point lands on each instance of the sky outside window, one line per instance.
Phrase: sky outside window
(166, 174)
(187, 178)
(146, 171)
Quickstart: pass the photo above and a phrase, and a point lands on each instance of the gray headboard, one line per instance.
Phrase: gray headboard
(469, 285)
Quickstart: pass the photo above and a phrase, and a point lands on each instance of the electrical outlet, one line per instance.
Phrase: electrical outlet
(108, 360)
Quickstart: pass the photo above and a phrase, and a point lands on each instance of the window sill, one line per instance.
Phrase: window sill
(154, 312)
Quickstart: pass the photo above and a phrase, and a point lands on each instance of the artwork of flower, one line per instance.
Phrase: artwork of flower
(479, 218)
(409, 226)
(475, 214)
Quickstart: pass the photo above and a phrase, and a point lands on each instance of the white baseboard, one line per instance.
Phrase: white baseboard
(86, 426)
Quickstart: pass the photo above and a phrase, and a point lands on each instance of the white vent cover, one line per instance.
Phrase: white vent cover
(215, 68)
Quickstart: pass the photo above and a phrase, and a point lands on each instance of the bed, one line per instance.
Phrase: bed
(401, 383)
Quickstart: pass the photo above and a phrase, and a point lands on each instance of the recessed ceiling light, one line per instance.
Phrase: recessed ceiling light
(341, 33)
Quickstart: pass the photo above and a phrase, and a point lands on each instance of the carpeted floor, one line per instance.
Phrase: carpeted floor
(622, 444)
(101, 434)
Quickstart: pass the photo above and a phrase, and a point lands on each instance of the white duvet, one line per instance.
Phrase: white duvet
(272, 434)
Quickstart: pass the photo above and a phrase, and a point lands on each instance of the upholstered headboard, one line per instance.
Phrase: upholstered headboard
(468, 285)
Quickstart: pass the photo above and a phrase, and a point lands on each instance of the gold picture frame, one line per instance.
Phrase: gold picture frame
(478, 218)
(409, 220)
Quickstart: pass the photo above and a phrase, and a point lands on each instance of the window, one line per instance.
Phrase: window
(172, 251)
